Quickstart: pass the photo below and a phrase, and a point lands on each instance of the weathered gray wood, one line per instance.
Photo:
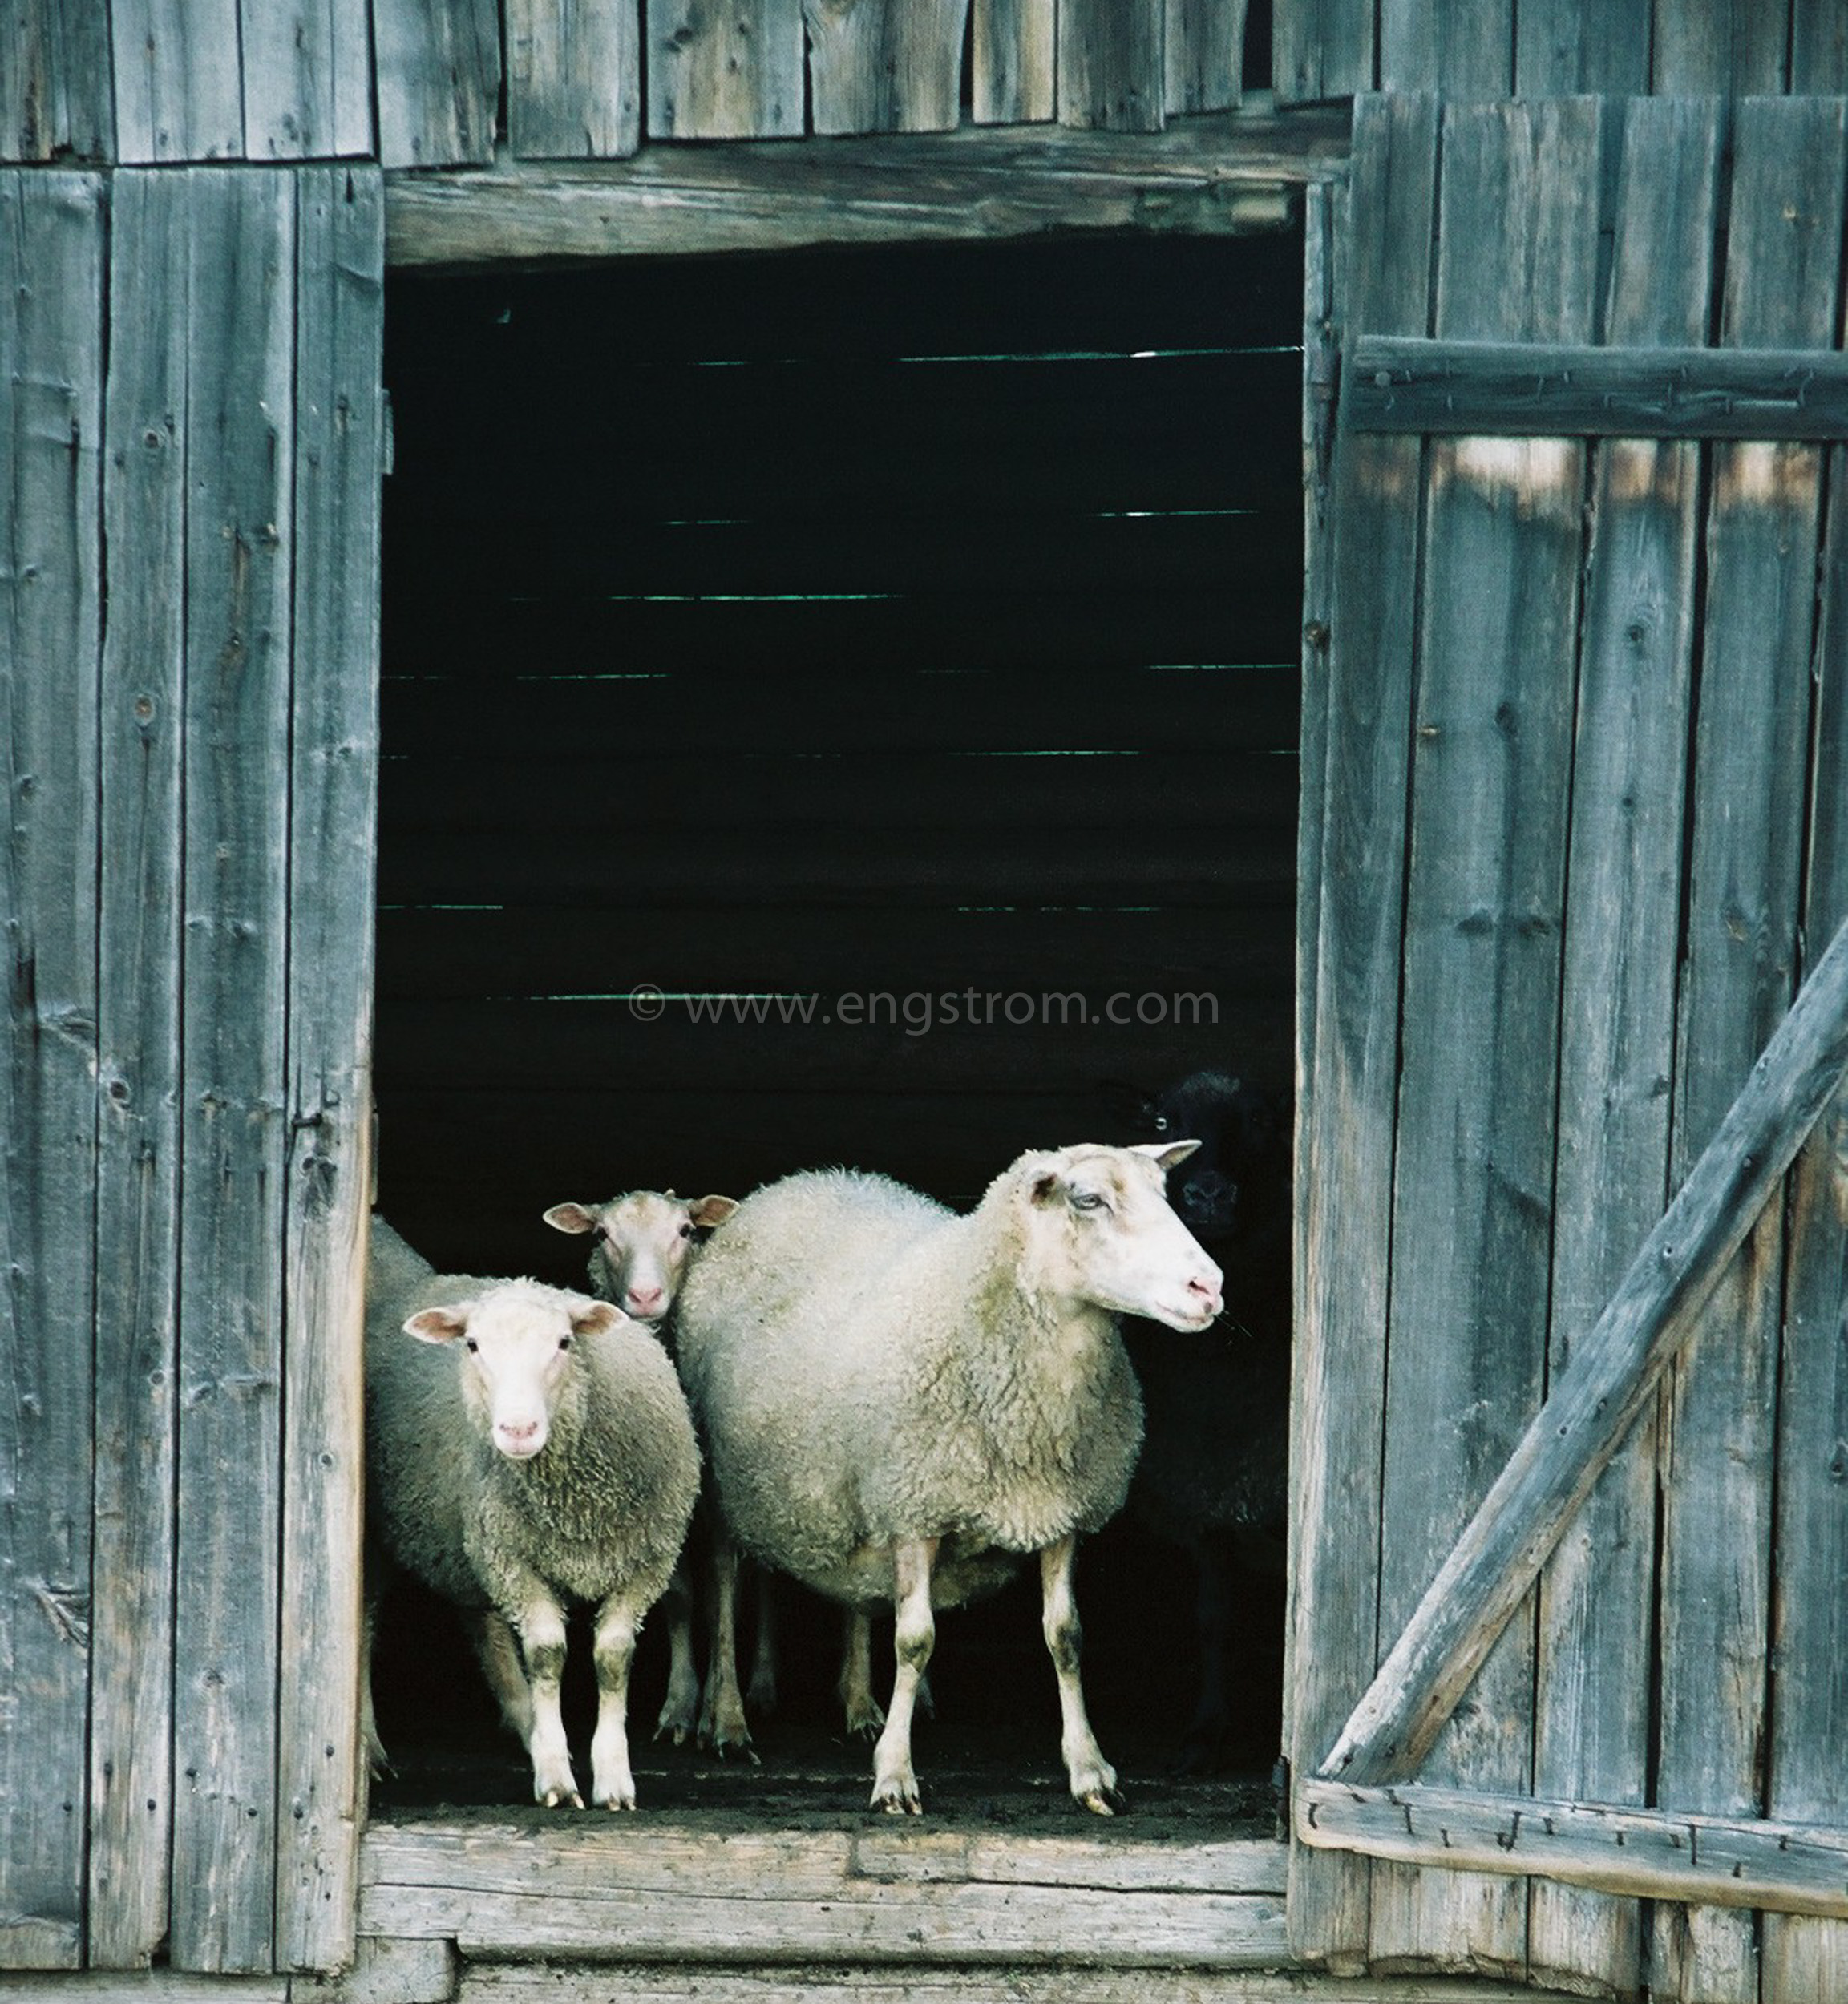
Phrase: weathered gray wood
(1595, 1403)
(234, 1127)
(1464, 48)
(1818, 48)
(1345, 1180)
(145, 1986)
(1322, 49)
(178, 92)
(1649, 1853)
(1204, 53)
(138, 1041)
(438, 68)
(573, 78)
(1112, 65)
(1616, 1054)
(333, 804)
(388, 1971)
(1562, 47)
(1012, 66)
(307, 69)
(885, 66)
(724, 72)
(1212, 175)
(54, 95)
(1492, 762)
(51, 261)
(1790, 158)
(1730, 48)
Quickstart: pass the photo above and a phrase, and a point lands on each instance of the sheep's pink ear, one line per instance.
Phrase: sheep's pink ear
(1165, 1154)
(1046, 1188)
(573, 1217)
(437, 1325)
(705, 1211)
(594, 1318)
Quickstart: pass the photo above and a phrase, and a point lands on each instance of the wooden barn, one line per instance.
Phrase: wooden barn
(600, 593)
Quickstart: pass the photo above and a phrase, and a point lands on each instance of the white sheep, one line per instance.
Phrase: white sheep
(533, 1449)
(901, 1404)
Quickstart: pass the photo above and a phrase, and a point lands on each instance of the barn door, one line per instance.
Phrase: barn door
(1582, 837)
(190, 420)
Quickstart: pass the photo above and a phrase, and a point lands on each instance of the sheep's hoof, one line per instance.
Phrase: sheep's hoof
(865, 1722)
(562, 1799)
(618, 1801)
(676, 1725)
(1103, 1802)
(897, 1798)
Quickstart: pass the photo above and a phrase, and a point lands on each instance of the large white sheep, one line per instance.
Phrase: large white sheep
(532, 1449)
(902, 1404)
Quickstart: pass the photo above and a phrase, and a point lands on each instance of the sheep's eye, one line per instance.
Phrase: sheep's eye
(564, 1343)
(599, 1236)
(1161, 1123)
(686, 1231)
(1086, 1200)
(471, 1343)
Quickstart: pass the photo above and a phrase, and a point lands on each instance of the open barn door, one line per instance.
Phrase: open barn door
(1587, 722)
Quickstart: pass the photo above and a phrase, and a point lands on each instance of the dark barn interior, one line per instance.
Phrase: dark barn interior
(787, 660)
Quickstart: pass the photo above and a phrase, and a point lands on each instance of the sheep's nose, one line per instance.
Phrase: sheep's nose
(517, 1433)
(646, 1301)
(1207, 1291)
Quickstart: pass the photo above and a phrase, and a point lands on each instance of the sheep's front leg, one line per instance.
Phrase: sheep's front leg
(721, 1724)
(863, 1714)
(498, 1655)
(612, 1784)
(894, 1784)
(540, 1623)
(1093, 1780)
(761, 1697)
(679, 1709)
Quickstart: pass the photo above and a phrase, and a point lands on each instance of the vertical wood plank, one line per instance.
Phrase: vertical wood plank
(1818, 48)
(1011, 62)
(1203, 49)
(1322, 49)
(178, 92)
(885, 66)
(1517, 258)
(55, 92)
(1563, 47)
(1346, 1178)
(725, 69)
(234, 1115)
(438, 71)
(1728, 48)
(1464, 48)
(1784, 243)
(334, 815)
(138, 1137)
(51, 251)
(573, 78)
(307, 78)
(1112, 67)
(1616, 1061)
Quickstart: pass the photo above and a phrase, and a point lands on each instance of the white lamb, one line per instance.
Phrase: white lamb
(901, 1404)
(532, 1448)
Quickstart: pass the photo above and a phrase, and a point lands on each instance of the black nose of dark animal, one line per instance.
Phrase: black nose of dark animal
(1206, 1202)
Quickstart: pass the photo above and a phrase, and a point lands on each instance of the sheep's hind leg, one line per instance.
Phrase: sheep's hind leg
(612, 1784)
(1093, 1779)
(864, 1713)
(723, 1726)
(760, 1696)
(498, 1653)
(895, 1785)
(679, 1709)
(540, 1623)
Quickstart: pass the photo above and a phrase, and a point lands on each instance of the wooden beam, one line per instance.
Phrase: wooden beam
(1219, 176)
(1649, 1853)
(1538, 389)
(1577, 1431)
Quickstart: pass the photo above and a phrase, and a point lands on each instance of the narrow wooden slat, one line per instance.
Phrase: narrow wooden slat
(1345, 1181)
(1784, 247)
(438, 68)
(138, 1170)
(1464, 48)
(51, 262)
(1322, 49)
(885, 66)
(1818, 48)
(1491, 761)
(307, 78)
(332, 797)
(1012, 60)
(1112, 65)
(1726, 48)
(1562, 47)
(1204, 55)
(1616, 1050)
(55, 83)
(729, 72)
(234, 1115)
(178, 92)
(573, 78)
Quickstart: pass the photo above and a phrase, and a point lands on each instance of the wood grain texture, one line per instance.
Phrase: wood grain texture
(1616, 1034)
(1012, 60)
(1204, 55)
(234, 1127)
(724, 69)
(1345, 1182)
(1562, 47)
(885, 66)
(137, 1133)
(437, 64)
(1517, 255)
(573, 78)
(51, 291)
(307, 69)
(1323, 49)
(1113, 65)
(178, 91)
(332, 838)
(1818, 48)
(55, 83)
(1724, 48)
(1462, 48)
(1784, 230)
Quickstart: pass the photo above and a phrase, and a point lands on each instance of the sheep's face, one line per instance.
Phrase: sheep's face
(1103, 1232)
(514, 1343)
(642, 1243)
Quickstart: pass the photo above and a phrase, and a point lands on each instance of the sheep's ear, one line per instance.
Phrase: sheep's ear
(595, 1318)
(573, 1217)
(1047, 1188)
(437, 1325)
(1165, 1154)
(707, 1211)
